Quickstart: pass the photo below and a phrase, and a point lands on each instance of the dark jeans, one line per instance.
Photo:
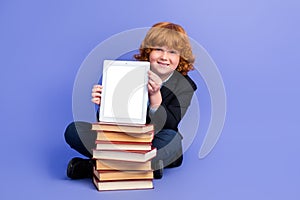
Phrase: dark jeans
(167, 141)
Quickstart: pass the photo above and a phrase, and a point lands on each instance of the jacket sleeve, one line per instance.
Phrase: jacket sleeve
(173, 107)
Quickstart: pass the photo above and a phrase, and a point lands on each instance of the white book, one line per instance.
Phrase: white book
(125, 155)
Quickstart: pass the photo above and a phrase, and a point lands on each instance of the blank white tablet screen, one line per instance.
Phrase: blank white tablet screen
(124, 97)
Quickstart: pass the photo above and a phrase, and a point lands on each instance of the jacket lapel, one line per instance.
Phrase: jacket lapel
(169, 86)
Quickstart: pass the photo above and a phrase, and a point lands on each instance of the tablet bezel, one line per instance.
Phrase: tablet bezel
(140, 69)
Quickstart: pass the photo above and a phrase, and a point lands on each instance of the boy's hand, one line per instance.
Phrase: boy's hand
(154, 84)
(96, 94)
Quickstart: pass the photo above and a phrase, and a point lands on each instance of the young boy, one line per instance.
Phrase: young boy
(166, 46)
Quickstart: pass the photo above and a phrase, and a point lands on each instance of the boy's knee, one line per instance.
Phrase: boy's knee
(69, 132)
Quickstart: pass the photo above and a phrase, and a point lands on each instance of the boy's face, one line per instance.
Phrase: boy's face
(163, 61)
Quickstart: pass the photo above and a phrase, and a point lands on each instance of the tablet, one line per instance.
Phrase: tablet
(125, 94)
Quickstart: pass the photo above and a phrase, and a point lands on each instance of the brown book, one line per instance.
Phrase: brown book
(126, 155)
(117, 145)
(127, 128)
(122, 185)
(124, 137)
(122, 165)
(122, 175)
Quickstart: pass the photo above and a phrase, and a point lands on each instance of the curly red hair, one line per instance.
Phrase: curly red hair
(172, 36)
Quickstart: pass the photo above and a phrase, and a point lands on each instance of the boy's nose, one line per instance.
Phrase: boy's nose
(164, 55)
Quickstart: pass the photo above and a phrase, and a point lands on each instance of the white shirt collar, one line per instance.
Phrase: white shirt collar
(167, 78)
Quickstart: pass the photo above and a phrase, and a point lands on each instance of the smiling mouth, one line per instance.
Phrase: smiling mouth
(163, 64)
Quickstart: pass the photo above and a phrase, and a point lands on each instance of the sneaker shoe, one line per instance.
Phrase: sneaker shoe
(79, 168)
(176, 163)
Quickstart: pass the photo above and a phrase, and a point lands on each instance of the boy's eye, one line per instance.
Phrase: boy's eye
(173, 52)
(159, 49)
(162, 50)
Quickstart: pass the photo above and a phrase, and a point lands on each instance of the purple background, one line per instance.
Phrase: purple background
(255, 45)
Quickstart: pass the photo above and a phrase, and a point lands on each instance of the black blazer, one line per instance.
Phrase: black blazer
(176, 93)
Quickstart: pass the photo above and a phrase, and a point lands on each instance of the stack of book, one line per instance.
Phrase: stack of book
(123, 156)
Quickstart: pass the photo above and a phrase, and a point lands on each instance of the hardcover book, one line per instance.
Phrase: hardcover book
(122, 185)
(126, 155)
(122, 175)
(122, 165)
(124, 137)
(127, 128)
